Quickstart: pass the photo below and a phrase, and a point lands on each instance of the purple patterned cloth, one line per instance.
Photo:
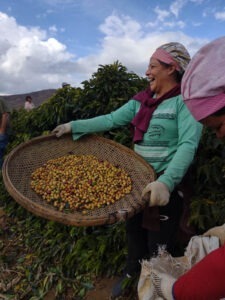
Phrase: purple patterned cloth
(148, 105)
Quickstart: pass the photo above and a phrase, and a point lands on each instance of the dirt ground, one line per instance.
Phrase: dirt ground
(102, 289)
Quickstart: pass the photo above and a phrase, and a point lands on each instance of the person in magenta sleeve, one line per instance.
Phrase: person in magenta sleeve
(203, 90)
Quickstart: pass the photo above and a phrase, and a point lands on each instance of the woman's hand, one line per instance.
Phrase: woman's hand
(218, 231)
(62, 129)
(159, 193)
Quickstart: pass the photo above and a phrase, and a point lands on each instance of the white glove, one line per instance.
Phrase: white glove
(218, 231)
(62, 129)
(159, 195)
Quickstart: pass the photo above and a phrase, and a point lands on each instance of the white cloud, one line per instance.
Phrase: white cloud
(161, 14)
(133, 50)
(176, 6)
(165, 18)
(220, 16)
(179, 24)
(30, 60)
(45, 14)
(124, 26)
(196, 24)
(53, 29)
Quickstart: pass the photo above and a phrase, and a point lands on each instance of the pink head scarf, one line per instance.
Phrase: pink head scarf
(173, 53)
(203, 83)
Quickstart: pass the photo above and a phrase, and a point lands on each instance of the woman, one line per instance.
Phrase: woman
(166, 136)
(203, 90)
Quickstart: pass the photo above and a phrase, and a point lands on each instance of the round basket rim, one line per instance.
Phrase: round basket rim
(70, 218)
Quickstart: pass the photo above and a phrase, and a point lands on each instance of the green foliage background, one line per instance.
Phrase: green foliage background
(48, 254)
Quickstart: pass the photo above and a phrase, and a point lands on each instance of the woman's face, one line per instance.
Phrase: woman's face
(217, 123)
(158, 76)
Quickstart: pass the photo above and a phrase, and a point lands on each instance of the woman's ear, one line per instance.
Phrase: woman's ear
(171, 69)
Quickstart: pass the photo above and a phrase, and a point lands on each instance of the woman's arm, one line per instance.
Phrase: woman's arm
(119, 117)
(189, 134)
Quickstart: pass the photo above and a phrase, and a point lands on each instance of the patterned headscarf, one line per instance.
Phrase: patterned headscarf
(173, 53)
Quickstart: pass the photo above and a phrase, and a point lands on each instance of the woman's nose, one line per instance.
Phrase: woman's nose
(147, 72)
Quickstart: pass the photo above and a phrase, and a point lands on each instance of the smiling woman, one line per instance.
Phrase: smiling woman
(166, 136)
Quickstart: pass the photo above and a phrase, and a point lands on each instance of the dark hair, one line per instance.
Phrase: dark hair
(178, 74)
(28, 98)
(219, 112)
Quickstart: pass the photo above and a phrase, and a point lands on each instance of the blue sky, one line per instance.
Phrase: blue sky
(46, 42)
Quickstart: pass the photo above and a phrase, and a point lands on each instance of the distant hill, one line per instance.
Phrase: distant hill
(17, 101)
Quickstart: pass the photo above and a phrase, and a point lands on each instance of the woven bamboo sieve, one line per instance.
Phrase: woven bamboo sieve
(27, 157)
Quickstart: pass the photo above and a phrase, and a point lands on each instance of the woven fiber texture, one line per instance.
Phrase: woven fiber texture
(27, 157)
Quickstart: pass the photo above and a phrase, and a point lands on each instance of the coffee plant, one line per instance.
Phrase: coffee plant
(42, 255)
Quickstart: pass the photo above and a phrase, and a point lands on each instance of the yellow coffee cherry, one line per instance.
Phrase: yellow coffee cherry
(80, 182)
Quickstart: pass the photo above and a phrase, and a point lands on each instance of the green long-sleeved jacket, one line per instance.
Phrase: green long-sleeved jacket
(169, 144)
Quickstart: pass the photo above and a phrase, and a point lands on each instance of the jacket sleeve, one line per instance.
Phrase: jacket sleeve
(205, 280)
(119, 117)
(189, 134)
